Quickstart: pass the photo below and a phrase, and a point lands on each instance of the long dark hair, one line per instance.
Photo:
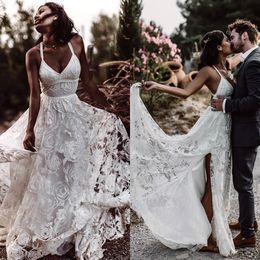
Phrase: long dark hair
(63, 26)
(209, 43)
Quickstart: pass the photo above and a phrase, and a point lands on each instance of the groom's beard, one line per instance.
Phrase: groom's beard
(238, 48)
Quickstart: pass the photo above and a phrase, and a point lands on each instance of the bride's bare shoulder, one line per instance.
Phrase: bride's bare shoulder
(33, 54)
(77, 43)
(207, 72)
(207, 69)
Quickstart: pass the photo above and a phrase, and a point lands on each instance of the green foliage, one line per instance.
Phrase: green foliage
(205, 15)
(17, 37)
(156, 49)
(156, 100)
(163, 73)
(103, 37)
(4, 19)
(129, 31)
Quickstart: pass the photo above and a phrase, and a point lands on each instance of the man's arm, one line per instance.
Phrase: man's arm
(251, 102)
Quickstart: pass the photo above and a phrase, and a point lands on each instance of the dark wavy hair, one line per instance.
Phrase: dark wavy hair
(209, 43)
(63, 26)
(242, 26)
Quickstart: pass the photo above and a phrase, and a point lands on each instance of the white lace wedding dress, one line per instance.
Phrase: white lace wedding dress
(168, 176)
(75, 188)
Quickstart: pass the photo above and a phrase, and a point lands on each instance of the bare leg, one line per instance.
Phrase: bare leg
(207, 197)
(207, 203)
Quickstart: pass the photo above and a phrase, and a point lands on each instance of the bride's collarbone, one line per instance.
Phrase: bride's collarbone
(57, 60)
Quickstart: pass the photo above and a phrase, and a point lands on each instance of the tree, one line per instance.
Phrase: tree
(103, 37)
(5, 24)
(16, 38)
(129, 31)
(206, 15)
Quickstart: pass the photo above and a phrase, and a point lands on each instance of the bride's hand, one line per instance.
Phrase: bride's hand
(149, 85)
(29, 141)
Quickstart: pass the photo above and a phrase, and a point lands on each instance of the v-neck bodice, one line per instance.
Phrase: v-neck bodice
(58, 84)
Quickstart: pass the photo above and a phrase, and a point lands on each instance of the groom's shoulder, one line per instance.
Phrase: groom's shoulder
(258, 49)
(255, 58)
(256, 53)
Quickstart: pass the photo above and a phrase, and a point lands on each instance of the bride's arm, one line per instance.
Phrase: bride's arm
(86, 80)
(234, 60)
(34, 102)
(188, 90)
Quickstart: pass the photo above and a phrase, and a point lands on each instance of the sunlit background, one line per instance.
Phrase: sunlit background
(161, 31)
(84, 12)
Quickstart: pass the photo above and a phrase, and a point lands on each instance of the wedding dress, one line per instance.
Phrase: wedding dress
(75, 188)
(168, 176)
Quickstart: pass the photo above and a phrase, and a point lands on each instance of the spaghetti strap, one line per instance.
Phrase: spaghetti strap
(71, 48)
(41, 51)
(217, 71)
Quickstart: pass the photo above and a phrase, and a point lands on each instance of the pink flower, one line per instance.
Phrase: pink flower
(177, 58)
(173, 52)
(174, 45)
(153, 55)
(144, 58)
(157, 48)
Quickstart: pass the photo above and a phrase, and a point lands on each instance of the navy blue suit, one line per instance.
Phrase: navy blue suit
(244, 107)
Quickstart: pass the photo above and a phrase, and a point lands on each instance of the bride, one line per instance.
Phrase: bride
(66, 162)
(180, 184)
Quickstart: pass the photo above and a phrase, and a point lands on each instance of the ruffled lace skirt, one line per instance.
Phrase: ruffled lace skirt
(74, 190)
(168, 178)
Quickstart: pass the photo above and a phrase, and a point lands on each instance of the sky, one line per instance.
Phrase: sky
(84, 12)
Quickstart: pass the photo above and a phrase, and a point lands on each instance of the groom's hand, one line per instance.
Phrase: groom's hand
(216, 104)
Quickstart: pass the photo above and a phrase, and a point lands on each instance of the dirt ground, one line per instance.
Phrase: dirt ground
(115, 250)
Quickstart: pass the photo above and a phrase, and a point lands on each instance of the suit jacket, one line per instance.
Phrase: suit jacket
(244, 105)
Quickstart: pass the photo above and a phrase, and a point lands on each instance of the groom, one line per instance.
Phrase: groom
(244, 107)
